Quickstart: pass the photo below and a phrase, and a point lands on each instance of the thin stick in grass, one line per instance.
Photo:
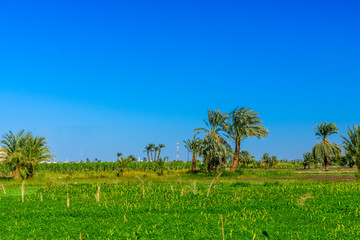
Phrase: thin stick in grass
(97, 196)
(208, 193)
(172, 189)
(67, 197)
(194, 188)
(222, 226)
(127, 208)
(143, 187)
(23, 191)
(3, 189)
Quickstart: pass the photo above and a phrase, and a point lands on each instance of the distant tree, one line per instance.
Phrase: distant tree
(147, 150)
(245, 157)
(132, 158)
(119, 155)
(160, 146)
(156, 149)
(193, 145)
(339, 160)
(244, 123)
(325, 150)
(269, 161)
(266, 159)
(308, 159)
(87, 160)
(352, 145)
(152, 148)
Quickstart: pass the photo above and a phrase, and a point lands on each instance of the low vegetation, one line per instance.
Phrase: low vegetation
(182, 210)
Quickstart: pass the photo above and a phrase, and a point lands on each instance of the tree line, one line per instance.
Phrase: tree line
(214, 143)
(224, 130)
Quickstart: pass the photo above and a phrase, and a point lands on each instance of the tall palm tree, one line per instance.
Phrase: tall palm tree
(160, 146)
(152, 148)
(193, 145)
(156, 149)
(244, 123)
(352, 144)
(216, 124)
(325, 150)
(214, 146)
(147, 150)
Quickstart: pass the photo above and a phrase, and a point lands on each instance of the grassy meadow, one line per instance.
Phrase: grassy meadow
(286, 202)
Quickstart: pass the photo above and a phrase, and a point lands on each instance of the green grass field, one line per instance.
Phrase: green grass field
(282, 203)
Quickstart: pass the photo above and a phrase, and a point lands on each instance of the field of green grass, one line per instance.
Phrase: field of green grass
(251, 204)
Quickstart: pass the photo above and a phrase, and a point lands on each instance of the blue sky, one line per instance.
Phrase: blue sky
(101, 77)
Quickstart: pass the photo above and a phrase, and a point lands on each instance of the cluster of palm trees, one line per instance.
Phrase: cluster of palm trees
(223, 129)
(325, 150)
(269, 161)
(152, 148)
(22, 152)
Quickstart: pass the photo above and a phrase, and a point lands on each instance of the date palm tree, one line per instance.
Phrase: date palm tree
(266, 159)
(308, 159)
(193, 145)
(244, 123)
(23, 152)
(325, 150)
(152, 148)
(214, 146)
(160, 146)
(118, 156)
(216, 125)
(352, 145)
(147, 150)
(156, 149)
(36, 150)
(13, 154)
(245, 157)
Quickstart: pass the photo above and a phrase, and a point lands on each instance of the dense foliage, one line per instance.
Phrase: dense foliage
(110, 166)
(23, 152)
(325, 150)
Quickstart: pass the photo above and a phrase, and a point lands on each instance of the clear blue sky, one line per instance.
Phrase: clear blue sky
(101, 77)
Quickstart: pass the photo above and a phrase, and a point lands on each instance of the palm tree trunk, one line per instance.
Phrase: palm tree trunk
(210, 166)
(152, 159)
(309, 166)
(16, 173)
(236, 156)
(148, 156)
(158, 155)
(193, 167)
(155, 156)
(326, 163)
